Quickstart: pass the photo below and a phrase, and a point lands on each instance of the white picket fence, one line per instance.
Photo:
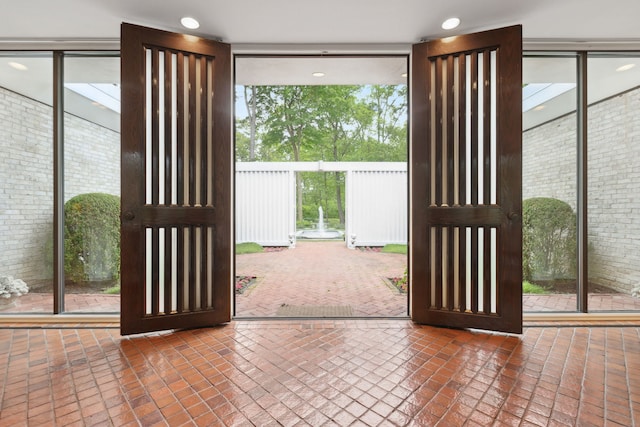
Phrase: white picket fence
(375, 201)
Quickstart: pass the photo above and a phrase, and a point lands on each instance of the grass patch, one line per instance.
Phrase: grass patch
(532, 288)
(248, 248)
(395, 248)
(113, 290)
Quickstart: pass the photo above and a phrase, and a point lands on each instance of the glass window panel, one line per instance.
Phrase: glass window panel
(549, 183)
(26, 189)
(92, 181)
(614, 182)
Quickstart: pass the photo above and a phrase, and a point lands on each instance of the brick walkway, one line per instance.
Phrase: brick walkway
(322, 274)
(74, 303)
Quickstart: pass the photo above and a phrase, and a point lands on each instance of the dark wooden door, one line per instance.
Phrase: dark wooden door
(466, 194)
(176, 251)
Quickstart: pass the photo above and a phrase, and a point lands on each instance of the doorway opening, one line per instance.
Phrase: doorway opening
(321, 193)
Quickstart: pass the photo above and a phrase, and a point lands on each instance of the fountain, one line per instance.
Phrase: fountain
(321, 231)
(321, 226)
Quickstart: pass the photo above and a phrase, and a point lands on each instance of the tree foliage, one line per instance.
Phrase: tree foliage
(330, 123)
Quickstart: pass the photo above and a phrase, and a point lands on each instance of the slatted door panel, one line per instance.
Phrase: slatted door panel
(176, 247)
(466, 181)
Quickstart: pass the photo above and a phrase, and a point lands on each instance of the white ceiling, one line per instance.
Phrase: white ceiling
(322, 28)
(321, 22)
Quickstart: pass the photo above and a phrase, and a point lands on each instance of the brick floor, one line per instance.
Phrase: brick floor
(322, 372)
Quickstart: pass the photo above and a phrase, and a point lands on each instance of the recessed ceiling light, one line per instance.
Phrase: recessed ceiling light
(189, 22)
(318, 74)
(18, 66)
(404, 75)
(625, 67)
(450, 23)
(539, 107)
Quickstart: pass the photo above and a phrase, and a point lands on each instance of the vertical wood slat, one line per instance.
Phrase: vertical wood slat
(428, 262)
(191, 117)
(203, 88)
(462, 269)
(462, 129)
(155, 269)
(439, 132)
(473, 110)
(450, 269)
(155, 177)
(213, 266)
(191, 264)
(487, 119)
(462, 178)
(423, 187)
(191, 165)
(474, 270)
(428, 140)
(180, 281)
(212, 130)
(450, 162)
(168, 269)
(438, 268)
(168, 127)
(486, 171)
(437, 164)
(486, 269)
(155, 125)
(204, 282)
(450, 124)
(181, 114)
(169, 161)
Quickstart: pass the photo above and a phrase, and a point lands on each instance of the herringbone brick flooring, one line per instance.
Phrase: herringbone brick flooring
(316, 373)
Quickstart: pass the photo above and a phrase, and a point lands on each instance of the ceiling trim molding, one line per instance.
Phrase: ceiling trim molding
(581, 45)
(321, 49)
(60, 44)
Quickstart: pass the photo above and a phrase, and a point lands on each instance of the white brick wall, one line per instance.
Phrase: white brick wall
(549, 170)
(92, 163)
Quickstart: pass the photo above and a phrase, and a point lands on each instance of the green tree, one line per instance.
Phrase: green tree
(251, 105)
(331, 123)
(341, 119)
(287, 119)
(388, 133)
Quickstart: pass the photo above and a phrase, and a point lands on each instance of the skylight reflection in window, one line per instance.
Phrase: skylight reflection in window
(106, 94)
(535, 94)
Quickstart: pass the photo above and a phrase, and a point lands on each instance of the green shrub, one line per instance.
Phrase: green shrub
(532, 288)
(113, 290)
(394, 248)
(92, 237)
(248, 248)
(548, 239)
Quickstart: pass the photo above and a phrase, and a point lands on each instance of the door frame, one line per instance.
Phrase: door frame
(336, 51)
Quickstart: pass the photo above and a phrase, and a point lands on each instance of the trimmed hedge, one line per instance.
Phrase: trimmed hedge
(92, 237)
(548, 239)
